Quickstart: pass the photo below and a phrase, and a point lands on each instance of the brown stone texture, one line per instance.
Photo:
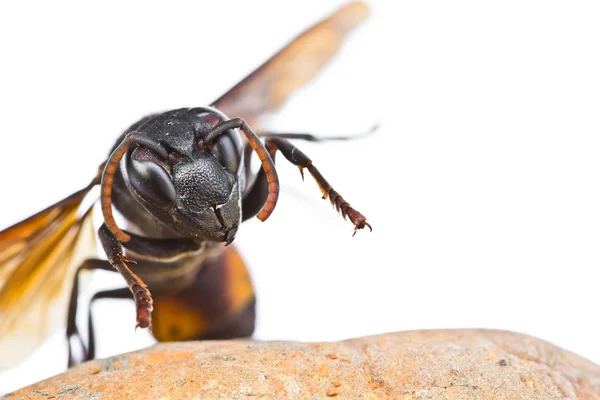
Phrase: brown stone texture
(440, 364)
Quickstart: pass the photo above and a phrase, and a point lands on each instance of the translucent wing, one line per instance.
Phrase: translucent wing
(38, 259)
(266, 89)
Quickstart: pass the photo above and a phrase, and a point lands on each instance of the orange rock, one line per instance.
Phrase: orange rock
(443, 364)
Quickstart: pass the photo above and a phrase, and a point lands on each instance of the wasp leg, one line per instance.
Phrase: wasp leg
(256, 194)
(72, 331)
(141, 294)
(158, 249)
(309, 137)
(122, 293)
(218, 303)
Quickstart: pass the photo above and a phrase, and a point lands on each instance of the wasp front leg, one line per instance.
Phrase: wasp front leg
(254, 197)
(141, 294)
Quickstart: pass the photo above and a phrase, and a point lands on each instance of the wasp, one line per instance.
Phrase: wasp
(182, 180)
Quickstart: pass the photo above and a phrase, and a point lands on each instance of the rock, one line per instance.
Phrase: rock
(443, 364)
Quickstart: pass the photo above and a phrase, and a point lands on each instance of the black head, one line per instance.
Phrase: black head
(185, 178)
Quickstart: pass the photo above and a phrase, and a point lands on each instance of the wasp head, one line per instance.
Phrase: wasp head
(185, 177)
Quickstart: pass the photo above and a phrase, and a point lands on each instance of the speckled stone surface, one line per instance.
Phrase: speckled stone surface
(439, 364)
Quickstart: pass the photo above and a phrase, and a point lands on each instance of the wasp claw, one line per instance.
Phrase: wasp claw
(361, 225)
(301, 168)
(139, 325)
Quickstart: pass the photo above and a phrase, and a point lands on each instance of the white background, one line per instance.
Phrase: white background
(482, 184)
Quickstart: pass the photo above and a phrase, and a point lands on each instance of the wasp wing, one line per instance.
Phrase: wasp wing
(38, 260)
(267, 88)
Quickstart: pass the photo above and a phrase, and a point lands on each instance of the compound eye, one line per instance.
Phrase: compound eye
(152, 182)
(226, 152)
